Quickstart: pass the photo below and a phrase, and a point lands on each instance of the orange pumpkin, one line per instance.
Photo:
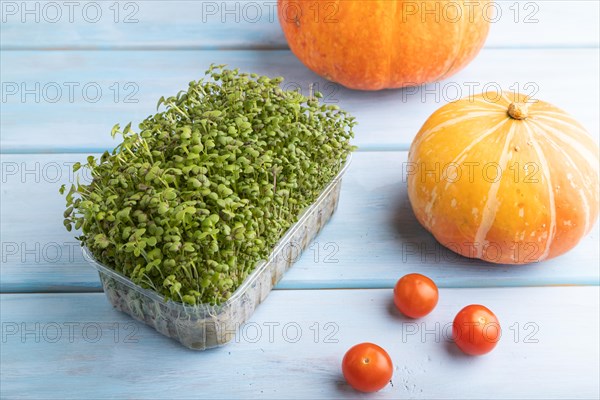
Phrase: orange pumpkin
(503, 178)
(378, 44)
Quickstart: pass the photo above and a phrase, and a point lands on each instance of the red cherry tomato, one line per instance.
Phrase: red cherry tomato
(367, 367)
(415, 295)
(476, 330)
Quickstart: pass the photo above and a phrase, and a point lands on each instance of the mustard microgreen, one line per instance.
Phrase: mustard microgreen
(192, 202)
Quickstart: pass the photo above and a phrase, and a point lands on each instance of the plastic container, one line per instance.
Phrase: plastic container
(205, 326)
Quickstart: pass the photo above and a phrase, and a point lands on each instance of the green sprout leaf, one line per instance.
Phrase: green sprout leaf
(189, 205)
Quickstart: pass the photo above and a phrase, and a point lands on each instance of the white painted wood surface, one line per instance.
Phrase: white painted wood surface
(554, 354)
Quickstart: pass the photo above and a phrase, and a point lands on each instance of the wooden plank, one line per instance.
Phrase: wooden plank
(549, 348)
(149, 24)
(77, 122)
(372, 240)
(249, 24)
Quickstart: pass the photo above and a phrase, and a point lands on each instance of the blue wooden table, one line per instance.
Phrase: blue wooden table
(69, 74)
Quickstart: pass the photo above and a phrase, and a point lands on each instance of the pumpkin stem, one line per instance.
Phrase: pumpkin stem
(518, 110)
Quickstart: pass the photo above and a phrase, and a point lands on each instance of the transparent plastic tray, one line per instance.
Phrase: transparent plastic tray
(204, 326)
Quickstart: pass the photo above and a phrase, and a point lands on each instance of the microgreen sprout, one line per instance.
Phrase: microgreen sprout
(192, 202)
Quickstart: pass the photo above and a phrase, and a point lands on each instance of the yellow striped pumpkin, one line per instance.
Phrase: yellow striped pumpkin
(504, 178)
